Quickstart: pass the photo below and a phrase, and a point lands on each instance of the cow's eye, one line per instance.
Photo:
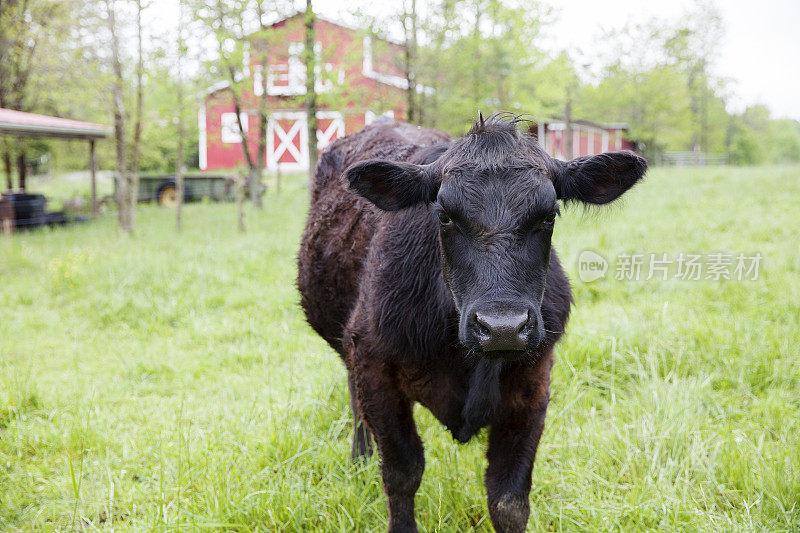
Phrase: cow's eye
(549, 221)
(443, 218)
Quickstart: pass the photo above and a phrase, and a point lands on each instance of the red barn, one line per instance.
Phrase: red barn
(588, 138)
(358, 78)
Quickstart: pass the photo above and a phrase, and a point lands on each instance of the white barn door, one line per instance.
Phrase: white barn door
(287, 137)
(287, 141)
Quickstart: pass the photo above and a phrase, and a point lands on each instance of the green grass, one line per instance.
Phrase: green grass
(170, 382)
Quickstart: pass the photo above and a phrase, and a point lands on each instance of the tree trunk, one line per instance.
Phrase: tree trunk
(311, 90)
(253, 183)
(179, 186)
(255, 188)
(240, 203)
(137, 124)
(122, 180)
(9, 175)
(262, 45)
(410, 22)
(477, 67)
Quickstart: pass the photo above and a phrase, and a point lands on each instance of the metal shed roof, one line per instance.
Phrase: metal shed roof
(33, 125)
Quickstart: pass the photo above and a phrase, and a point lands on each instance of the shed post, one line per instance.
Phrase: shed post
(93, 174)
(22, 171)
(9, 169)
(540, 135)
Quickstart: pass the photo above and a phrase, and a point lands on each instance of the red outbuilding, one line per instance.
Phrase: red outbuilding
(358, 78)
(588, 138)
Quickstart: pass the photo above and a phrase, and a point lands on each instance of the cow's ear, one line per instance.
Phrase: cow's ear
(597, 179)
(391, 185)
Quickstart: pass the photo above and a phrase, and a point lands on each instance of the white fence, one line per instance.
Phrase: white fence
(692, 159)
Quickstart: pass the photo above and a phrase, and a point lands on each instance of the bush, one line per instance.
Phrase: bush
(746, 148)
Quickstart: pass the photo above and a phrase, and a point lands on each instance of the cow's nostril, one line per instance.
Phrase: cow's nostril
(524, 321)
(482, 327)
(484, 324)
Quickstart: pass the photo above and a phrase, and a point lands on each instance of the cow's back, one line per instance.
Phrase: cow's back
(341, 225)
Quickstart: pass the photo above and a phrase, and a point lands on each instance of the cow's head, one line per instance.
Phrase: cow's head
(495, 196)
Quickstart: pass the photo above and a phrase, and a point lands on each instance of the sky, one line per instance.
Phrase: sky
(759, 55)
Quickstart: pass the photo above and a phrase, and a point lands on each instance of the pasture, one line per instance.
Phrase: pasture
(169, 382)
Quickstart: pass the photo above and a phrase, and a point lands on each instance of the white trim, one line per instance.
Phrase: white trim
(227, 123)
(576, 140)
(604, 146)
(246, 59)
(218, 87)
(295, 72)
(273, 128)
(336, 127)
(369, 72)
(258, 80)
(202, 138)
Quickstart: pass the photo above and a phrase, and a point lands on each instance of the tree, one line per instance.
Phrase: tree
(125, 205)
(493, 61)
(23, 26)
(693, 46)
(137, 120)
(181, 53)
(745, 147)
(237, 35)
(309, 58)
(784, 138)
(410, 31)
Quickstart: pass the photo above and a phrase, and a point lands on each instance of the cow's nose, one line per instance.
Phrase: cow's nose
(503, 330)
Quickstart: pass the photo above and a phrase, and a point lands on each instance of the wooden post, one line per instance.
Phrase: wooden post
(9, 169)
(93, 174)
(22, 171)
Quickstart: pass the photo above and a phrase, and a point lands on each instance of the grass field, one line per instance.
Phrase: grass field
(170, 382)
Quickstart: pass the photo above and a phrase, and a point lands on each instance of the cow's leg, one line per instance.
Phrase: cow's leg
(388, 413)
(513, 439)
(362, 438)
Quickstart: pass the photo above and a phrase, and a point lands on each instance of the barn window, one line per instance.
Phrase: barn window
(290, 78)
(229, 130)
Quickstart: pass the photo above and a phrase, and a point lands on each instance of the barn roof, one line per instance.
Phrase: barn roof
(336, 22)
(32, 125)
(224, 85)
(559, 123)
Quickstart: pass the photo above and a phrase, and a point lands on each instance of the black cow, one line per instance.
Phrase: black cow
(427, 264)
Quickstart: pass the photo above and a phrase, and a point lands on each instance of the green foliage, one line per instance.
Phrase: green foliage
(746, 148)
(759, 138)
(494, 62)
(784, 138)
(654, 103)
(177, 378)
